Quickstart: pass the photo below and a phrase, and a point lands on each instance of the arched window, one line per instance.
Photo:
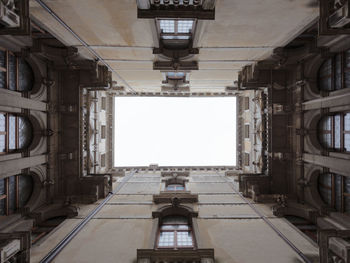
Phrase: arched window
(15, 132)
(334, 73)
(334, 132)
(15, 192)
(15, 73)
(175, 232)
(335, 191)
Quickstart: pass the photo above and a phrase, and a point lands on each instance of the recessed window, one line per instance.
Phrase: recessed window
(334, 132)
(103, 103)
(334, 73)
(15, 132)
(175, 75)
(175, 131)
(246, 159)
(246, 131)
(103, 131)
(175, 232)
(335, 191)
(175, 187)
(176, 29)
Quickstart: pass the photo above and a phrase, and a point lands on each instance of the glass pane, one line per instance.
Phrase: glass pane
(338, 192)
(25, 189)
(324, 187)
(2, 143)
(167, 26)
(12, 72)
(347, 122)
(2, 201)
(26, 76)
(177, 75)
(347, 142)
(3, 80)
(347, 78)
(174, 187)
(172, 220)
(25, 132)
(2, 58)
(347, 58)
(347, 190)
(337, 132)
(184, 239)
(12, 132)
(166, 239)
(175, 37)
(347, 204)
(12, 194)
(184, 26)
(325, 75)
(2, 186)
(2, 122)
(338, 72)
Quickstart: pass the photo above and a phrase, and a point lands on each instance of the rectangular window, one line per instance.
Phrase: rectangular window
(103, 131)
(246, 159)
(246, 131)
(246, 103)
(103, 160)
(175, 28)
(103, 103)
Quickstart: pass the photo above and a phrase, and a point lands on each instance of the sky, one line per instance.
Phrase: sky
(175, 131)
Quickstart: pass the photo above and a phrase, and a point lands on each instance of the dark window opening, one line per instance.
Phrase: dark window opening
(334, 73)
(15, 133)
(335, 191)
(15, 192)
(334, 132)
(15, 73)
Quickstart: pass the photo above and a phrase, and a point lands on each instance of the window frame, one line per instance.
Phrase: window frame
(333, 190)
(321, 132)
(332, 75)
(176, 33)
(5, 69)
(175, 231)
(7, 196)
(176, 184)
(7, 133)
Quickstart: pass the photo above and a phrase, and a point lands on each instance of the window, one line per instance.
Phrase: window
(246, 159)
(15, 73)
(334, 132)
(246, 131)
(175, 75)
(103, 103)
(176, 29)
(335, 191)
(15, 192)
(175, 187)
(15, 132)
(334, 74)
(103, 160)
(175, 232)
(246, 103)
(103, 131)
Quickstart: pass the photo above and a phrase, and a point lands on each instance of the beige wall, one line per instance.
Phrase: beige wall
(226, 223)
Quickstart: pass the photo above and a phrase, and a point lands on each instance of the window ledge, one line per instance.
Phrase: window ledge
(183, 196)
(195, 255)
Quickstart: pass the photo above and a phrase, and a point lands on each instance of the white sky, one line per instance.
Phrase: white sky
(175, 131)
